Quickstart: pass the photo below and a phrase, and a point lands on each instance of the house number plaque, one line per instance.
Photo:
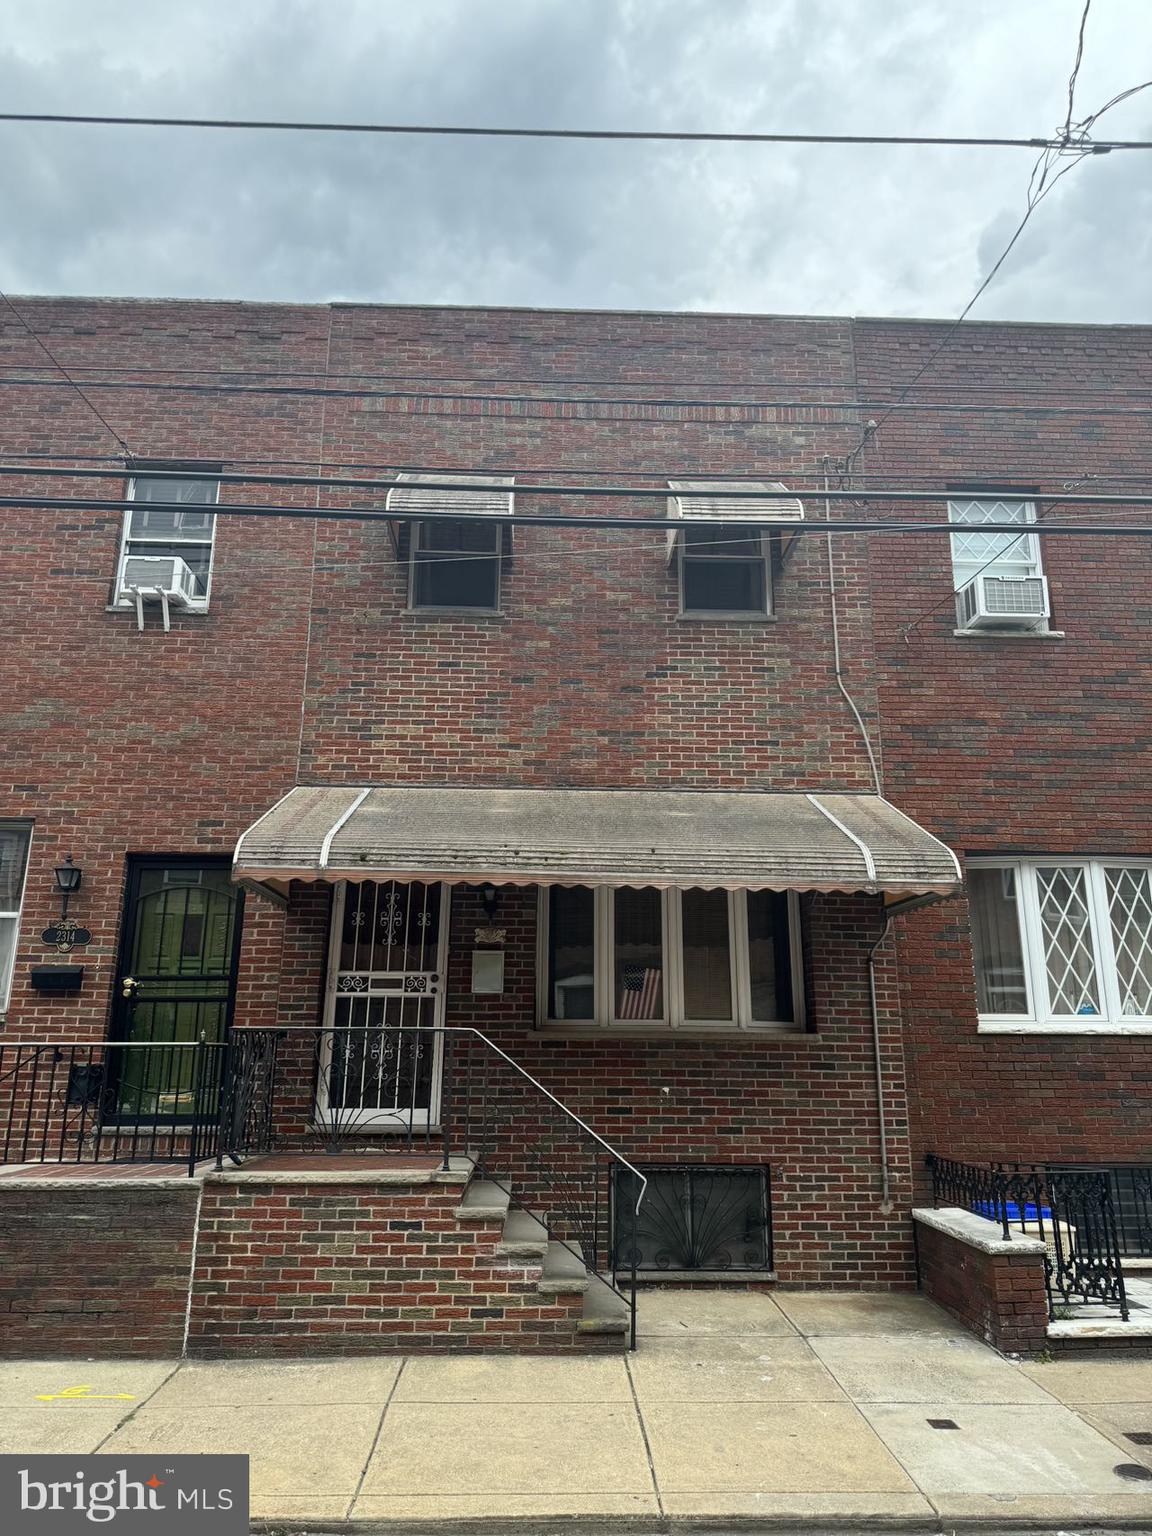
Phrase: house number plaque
(65, 935)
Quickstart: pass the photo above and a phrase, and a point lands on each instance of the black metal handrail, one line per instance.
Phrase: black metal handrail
(363, 1090)
(1072, 1211)
(110, 1101)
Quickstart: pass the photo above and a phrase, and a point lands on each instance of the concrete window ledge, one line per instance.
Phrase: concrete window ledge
(976, 1231)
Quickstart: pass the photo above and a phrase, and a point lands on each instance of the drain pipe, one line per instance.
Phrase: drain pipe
(877, 1056)
(878, 1066)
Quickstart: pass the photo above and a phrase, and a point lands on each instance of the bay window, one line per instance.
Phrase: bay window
(1064, 944)
(644, 959)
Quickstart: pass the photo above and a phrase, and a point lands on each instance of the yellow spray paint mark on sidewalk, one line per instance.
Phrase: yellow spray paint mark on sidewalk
(84, 1395)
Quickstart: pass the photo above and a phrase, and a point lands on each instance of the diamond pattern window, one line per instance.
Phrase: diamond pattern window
(999, 554)
(1063, 945)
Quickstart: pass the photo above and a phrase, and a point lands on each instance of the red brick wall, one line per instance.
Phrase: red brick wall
(1000, 1296)
(1001, 745)
(358, 1268)
(94, 1271)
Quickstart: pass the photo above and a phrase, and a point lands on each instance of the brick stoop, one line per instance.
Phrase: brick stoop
(358, 1261)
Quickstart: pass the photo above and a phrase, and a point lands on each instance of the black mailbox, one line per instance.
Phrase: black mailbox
(57, 979)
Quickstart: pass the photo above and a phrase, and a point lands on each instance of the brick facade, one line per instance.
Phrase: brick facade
(996, 1290)
(309, 668)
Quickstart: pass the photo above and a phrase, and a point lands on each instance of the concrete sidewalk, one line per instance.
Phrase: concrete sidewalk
(829, 1408)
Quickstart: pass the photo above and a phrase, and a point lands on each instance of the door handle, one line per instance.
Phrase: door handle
(129, 987)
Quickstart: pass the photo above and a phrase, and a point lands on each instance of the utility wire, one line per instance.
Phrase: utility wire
(631, 401)
(737, 490)
(569, 520)
(1076, 70)
(56, 363)
(274, 125)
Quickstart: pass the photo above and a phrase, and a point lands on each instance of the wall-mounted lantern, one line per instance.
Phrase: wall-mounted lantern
(66, 933)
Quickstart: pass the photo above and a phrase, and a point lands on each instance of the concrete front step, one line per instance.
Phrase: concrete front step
(524, 1237)
(483, 1201)
(604, 1311)
(564, 1273)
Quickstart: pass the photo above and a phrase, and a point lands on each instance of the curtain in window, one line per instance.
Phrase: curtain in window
(707, 968)
(996, 941)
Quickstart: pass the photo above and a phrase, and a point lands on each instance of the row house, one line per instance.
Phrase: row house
(436, 904)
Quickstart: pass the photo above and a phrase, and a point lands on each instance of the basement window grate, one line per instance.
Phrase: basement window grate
(695, 1218)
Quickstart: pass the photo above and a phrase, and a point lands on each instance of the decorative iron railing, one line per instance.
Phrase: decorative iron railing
(696, 1218)
(377, 1090)
(1071, 1210)
(110, 1101)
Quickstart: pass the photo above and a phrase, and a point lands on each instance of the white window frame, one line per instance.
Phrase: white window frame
(672, 987)
(497, 554)
(763, 612)
(1040, 1018)
(196, 604)
(1029, 564)
(14, 914)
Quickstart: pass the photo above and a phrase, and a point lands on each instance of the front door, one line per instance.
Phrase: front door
(381, 1054)
(177, 980)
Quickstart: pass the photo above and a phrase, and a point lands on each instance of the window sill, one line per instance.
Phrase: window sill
(726, 1032)
(1009, 634)
(726, 618)
(433, 614)
(199, 609)
(1067, 1027)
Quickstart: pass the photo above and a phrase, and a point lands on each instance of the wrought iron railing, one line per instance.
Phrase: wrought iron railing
(110, 1101)
(1071, 1210)
(307, 1090)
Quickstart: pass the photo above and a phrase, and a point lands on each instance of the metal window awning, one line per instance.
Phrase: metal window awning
(720, 839)
(411, 497)
(712, 501)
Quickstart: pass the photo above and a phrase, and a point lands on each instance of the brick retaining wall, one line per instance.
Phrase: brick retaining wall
(326, 1267)
(993, 1287)
(94, 1270)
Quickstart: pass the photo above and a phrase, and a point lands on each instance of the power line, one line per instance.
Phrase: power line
(1039, 187)
(639, 402)
(441, 130)
(736, 491)
(56, 363)
(1017, 483)
(568, 520)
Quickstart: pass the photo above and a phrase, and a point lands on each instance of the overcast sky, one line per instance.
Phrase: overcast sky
(792, 230)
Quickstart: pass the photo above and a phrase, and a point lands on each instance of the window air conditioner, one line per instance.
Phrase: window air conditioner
(1003, 602)
(158, 577)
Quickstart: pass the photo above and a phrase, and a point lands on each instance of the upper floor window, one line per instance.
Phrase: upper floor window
(725, 569)
(156, 535)
(648, 959)
(456, 565)
(998, 554)
(1062, 943)
(15, 837)
(454, 560)
(724, 548)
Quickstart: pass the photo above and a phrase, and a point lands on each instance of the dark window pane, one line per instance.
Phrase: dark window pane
(724, 586)
(390, 926)
(769, 957)
(444, 581)
(639, 939)
(190, 491)
(571, 954)
(707, 962)
(197, 557)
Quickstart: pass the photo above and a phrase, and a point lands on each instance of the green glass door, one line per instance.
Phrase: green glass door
(176, 982)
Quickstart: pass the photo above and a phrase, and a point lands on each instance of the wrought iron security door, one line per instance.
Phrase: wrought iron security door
(176, 983)
(695, 1218)
(380, 1061)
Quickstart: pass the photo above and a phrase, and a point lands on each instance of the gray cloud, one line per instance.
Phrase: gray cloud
(636, 226)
